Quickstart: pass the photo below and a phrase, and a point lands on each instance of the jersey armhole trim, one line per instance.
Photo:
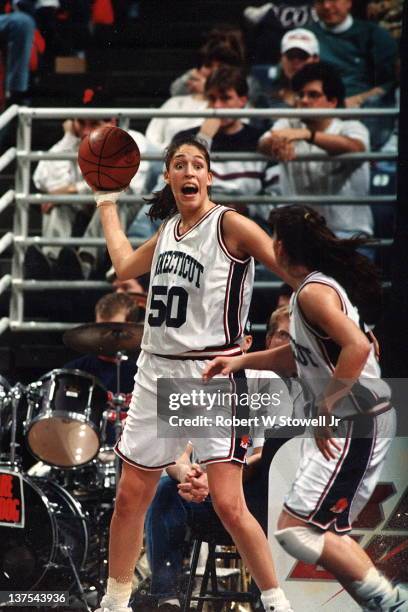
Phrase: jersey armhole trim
(221, 239)
(315, 331)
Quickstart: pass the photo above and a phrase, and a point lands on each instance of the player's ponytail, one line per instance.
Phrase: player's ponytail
(307, 241)
(163, 203)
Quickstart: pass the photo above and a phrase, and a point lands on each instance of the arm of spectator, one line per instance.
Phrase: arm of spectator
(336, 144)
(208, 129)
(273, 145)
(195, 82)
(179, 86)
(332, 143)
(358, 100)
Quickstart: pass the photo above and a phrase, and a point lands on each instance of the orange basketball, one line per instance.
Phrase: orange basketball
(108, 158)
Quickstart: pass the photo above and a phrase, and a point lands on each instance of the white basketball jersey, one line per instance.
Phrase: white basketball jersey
(199, 294)
(316, 356)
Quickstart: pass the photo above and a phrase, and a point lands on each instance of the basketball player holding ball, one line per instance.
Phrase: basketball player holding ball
(336, 355)
(201, 283)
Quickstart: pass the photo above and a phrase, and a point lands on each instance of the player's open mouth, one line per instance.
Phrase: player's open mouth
(189, 189)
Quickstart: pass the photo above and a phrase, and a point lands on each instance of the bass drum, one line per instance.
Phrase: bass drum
(33, 557)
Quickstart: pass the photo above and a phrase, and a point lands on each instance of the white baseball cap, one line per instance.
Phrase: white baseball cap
(300, 39)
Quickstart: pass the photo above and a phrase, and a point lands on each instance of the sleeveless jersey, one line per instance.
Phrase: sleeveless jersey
(316, 356)
(199, 293)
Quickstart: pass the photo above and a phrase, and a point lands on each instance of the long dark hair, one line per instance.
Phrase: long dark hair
(163, 203)
(309, 242)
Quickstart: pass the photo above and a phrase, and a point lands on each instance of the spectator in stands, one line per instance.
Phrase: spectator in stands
(224, 46)
(270, 21)
(363, 52)
(298, 48)
(17, 31)
(388, 14)
(111, 308)
(277, 331)
(161, 130)
(136, 288)
(318, 86)
(64, 177)
(226, 87)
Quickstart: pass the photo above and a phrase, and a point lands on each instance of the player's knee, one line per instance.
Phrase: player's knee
(132, 498)
(303, 543)
(229, 512)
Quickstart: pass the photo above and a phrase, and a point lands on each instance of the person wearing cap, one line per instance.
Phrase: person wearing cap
(269, 22)
(298, 48)
(318, 86)
(61, 177)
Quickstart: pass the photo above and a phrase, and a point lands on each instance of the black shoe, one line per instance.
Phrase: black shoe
(36, 265)
(69, 266)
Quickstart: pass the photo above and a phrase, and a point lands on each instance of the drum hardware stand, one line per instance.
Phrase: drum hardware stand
(4, 398)
(15, 394)
(66, 551)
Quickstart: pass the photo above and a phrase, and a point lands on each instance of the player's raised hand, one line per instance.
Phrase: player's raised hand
(222, 365)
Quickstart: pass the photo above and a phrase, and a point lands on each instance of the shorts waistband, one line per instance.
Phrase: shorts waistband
(210, 353)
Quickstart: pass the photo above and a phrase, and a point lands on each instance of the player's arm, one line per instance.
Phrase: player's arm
(244, 237)
(127, 262)
(321, 306)
(277, 359)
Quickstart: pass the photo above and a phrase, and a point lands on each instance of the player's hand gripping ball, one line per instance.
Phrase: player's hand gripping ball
(108, 158)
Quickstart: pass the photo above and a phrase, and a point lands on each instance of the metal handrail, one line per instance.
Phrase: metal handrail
(38, 198)
(148, 113)
(91, 242)
(375, 156)
(6, 199)
(4, 324)
(5, 283)
(101, 242)
(23, 197)
(6, 241)
(9, 115)
(7, 157)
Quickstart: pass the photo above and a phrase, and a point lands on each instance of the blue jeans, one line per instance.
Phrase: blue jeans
(166, 524)
(18, 31)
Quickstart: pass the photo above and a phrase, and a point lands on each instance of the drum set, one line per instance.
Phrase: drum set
(55, 515)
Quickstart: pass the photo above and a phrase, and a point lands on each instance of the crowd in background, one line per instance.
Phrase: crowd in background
(312, 54)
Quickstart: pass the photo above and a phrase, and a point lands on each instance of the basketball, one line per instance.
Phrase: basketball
(108, 158)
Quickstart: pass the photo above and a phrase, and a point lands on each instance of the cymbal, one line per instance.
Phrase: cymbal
(104, 338)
